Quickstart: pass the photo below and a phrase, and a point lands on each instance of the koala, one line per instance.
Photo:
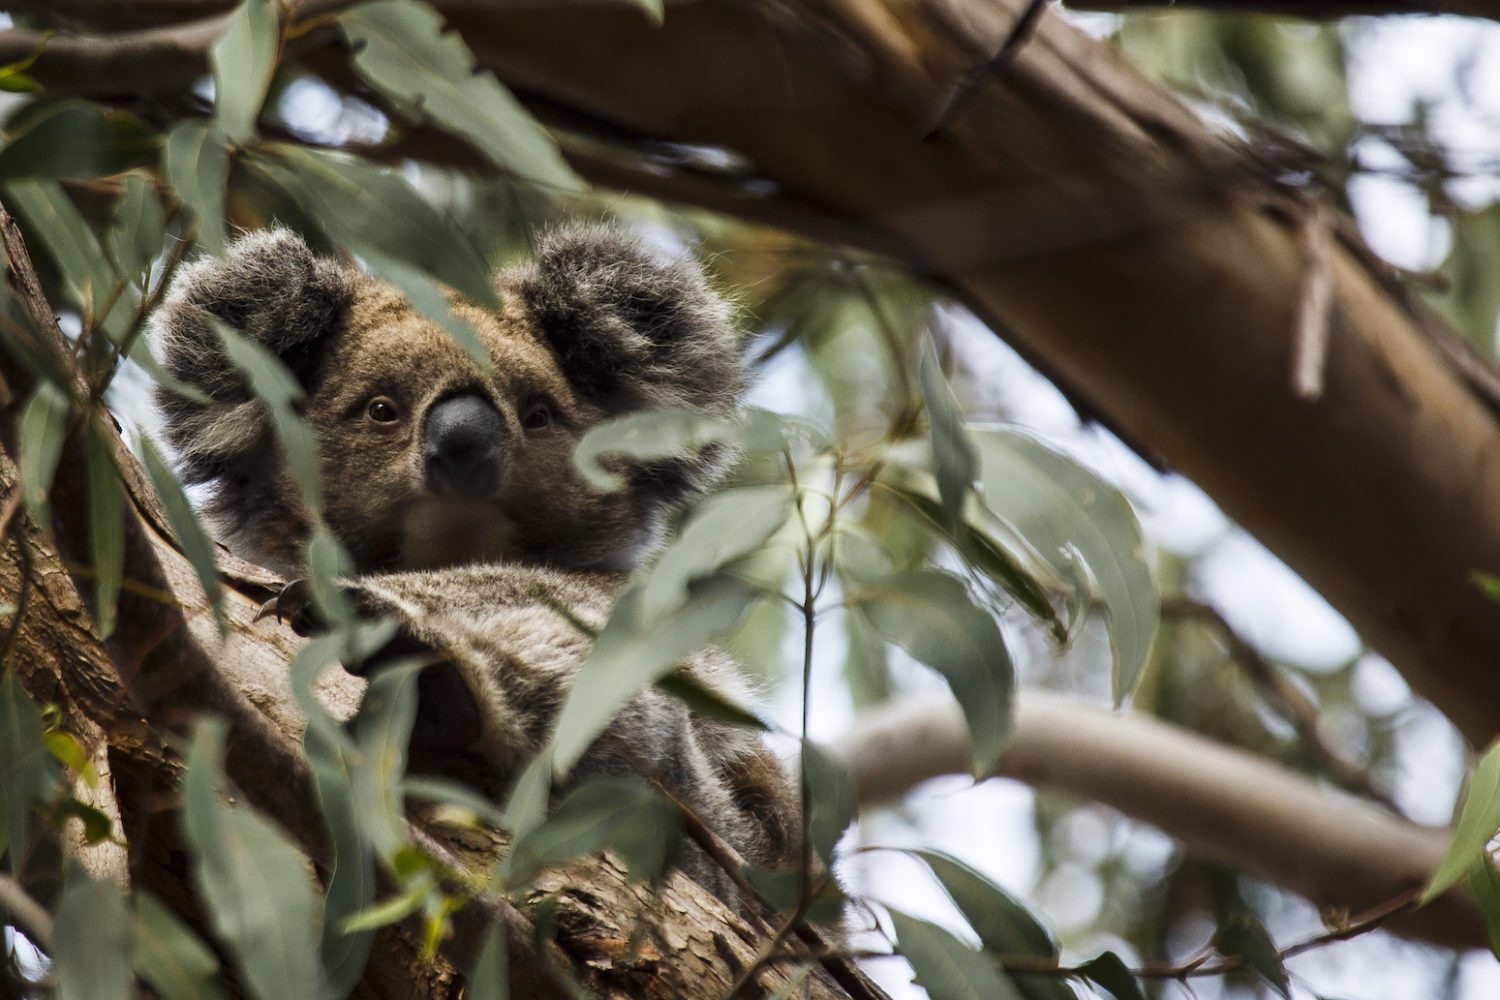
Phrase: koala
(452, 487)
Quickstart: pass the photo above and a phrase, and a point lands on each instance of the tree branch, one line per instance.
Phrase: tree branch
(1338, 851)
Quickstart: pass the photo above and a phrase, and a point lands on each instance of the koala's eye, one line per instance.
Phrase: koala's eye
(538, 417)
(382, 410)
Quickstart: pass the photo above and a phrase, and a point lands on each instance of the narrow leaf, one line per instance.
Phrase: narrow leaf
(169, 956)
(29, 775)
(197, 164)
(375, 213)
(1111, 973)
(631, 653)
(622, 815)
(400, 50)
(106, 523)
(75, 139)
(831, 800)
(954, 462)
(1478, 819)
(1243, 937)
(89, 278)
(643, 436)
(256, 885)
(490, 977)
(195, 542)
(1067, 512)
(243, 59)
(382, 735)
(930, 614)
(44, 426)
(136, 229)
(91, 941)
(946, 967)
(727, 526)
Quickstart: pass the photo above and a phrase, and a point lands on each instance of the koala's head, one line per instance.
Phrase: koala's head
(427, 458)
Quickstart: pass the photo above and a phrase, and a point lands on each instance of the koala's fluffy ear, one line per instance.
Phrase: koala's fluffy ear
(630, 329)
(273, 290)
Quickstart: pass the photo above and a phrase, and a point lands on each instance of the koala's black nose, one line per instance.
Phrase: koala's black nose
(463, 448)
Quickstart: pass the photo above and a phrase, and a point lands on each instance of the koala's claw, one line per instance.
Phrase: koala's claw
(294, 605)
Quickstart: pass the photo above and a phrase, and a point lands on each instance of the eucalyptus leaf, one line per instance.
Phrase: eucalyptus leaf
(137, 229)
(1005, 927)
(1478, 819)
(727, 526)
(625, 816)
(75, 139)
(1243, 937)
(1067, 513)
(257, 887)
(644, 436)
(954, 463)
(106, 523)
(44, 428)
(375, 213)
(196, 544)
(169, 956)
(89, 279)
(243, 60)
(29, 776)
(382, 736)
(91, 940)
(401, 50)
(1108, 971)
(1484, 886)
(489, 979)
(632, 652)
(930, 614)
(832, 803)
(196, 160)
(945, 967)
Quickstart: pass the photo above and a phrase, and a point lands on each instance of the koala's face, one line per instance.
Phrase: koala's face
(428, 460)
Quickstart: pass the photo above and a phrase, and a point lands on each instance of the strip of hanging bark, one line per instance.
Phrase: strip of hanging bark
(1313, 322)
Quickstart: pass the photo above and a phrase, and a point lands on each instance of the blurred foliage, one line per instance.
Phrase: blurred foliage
(874, 513)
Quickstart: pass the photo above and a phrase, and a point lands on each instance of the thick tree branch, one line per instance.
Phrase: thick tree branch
(1339, 851)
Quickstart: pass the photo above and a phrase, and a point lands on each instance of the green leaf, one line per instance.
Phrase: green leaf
(75, 139)
(276, 387)
(447, 792)
(137, 229)
(91, 941)
(930, 614)
(1470, 295)
(1243, 937)
(375, 214)
(195, 542)
(401, 51)
(97, 826)
(727, 526)
(831, 800)
(29, 776)
(1111, 973)
(946, 967)
(953, 460)
(427, 297)
(706, 702)
(632, 652)
(1005, 927)
(44, 428)
(1067, 512)
(169, 956)
(1478, 820)
(489, 979)
(243, 59)
(255, 884)
(196, 161)
(382, 735)
(1487, 583)
(89, 279)
(1484, 886)
(106, 523)
(625, 816)
(643, 436)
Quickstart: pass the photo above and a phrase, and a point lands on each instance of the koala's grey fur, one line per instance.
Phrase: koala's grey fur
(596, 327)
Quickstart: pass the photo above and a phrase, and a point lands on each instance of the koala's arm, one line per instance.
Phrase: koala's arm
(507, 657)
